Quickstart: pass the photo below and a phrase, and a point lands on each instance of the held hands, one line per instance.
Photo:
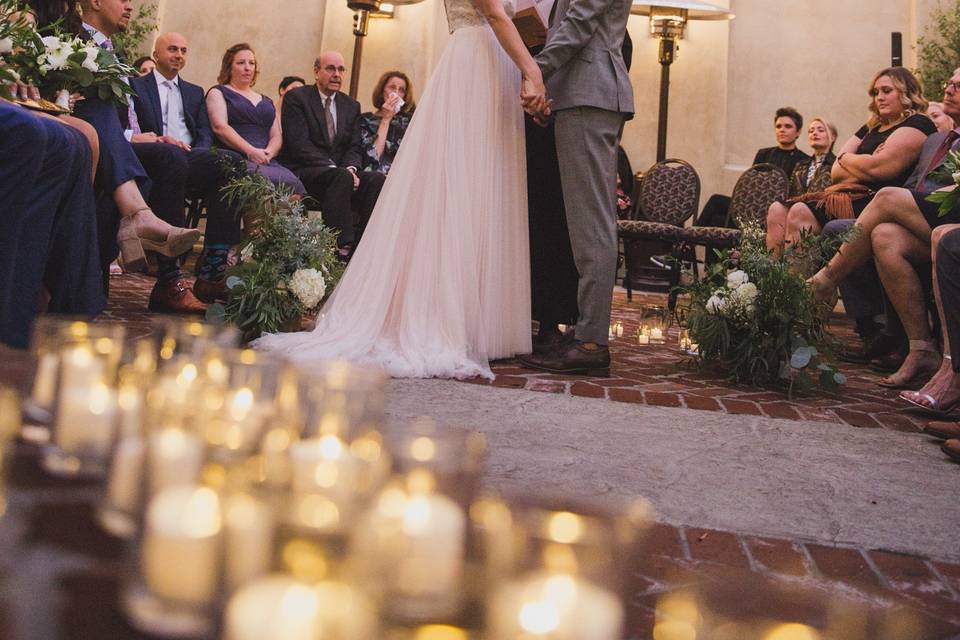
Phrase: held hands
(533, 94)
(259, 156)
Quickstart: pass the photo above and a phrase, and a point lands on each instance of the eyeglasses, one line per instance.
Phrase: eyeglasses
(951, 86)
(331, 69)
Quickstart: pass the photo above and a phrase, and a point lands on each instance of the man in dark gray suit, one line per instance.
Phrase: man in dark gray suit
(588, 81)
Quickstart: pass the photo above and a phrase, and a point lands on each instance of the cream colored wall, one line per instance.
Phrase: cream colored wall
(728, 78)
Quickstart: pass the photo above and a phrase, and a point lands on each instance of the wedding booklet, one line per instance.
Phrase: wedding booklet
(531, 18)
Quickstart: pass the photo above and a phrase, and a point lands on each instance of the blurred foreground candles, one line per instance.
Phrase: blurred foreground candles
(278, 607)
(9, 426)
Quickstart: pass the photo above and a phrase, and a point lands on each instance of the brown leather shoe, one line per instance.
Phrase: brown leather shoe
(952, 449)
(942, 430)
(550, 341)
(571, 358)
(210, 291)
(174, 296)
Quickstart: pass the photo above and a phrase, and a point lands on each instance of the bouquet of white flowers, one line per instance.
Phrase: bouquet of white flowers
(753, 315)
(948, 199)
(14, 30)
(60, 64)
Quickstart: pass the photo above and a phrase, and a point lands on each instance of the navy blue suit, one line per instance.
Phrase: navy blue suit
(48, 230)
(203, 165)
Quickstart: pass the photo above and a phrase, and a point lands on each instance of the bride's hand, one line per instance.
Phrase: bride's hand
(533, 93)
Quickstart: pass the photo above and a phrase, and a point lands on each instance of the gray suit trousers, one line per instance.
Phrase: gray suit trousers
(587, 140)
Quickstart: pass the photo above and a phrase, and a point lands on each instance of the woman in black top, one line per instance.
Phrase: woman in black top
(381, 131)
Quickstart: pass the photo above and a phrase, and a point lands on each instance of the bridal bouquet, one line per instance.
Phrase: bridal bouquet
(287, 267)
(14, 31)
(949, 172)
(60, 64)
(754, 316)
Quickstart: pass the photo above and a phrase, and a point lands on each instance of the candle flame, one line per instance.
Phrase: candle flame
(539, 618)
(792, 631)
(565, 527)
(423, 449)
(99, 399)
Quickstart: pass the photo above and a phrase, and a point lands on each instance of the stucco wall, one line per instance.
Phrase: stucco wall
(727, 81)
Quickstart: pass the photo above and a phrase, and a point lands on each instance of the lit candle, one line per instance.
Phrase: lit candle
(124, 487)
(249, 533)
(45, 383)
(656, 334)
(174, 457)
(619, 329)
(86, 421)
(278, 607)
(643, 338)
(181, 555)
(554, 606)
(323, 465)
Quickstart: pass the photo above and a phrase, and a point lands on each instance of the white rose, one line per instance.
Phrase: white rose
(737, 278)
(91, 60)
(6, 45)
(715, 304)
(309, 287)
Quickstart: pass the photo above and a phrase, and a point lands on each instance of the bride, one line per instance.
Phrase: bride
(439, 284)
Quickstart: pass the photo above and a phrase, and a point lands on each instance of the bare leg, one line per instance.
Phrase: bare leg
(891, 204)
(942, 390)
(776, 227)
(896, 251)
(800, 219)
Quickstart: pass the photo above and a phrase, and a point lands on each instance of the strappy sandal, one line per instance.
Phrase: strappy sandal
(931, 405)
(921, 375)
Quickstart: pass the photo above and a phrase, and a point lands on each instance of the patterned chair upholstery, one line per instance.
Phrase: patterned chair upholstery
(669, 196)
(756, 189)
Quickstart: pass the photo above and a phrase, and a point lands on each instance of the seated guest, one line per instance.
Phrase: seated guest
(941, 395)
(48, 232)
(173, 110)
(880, 154)
(382, 130)
(288, 84)
(939, 116)
(246, 121)
(321, 143)
(895, 228)
(787, 124)
(144, 65)
(124, 217)
(812, 174)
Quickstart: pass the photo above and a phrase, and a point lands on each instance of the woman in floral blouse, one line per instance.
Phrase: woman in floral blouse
(382, 130)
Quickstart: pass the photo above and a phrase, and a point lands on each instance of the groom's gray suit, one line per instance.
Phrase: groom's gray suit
(588, 81)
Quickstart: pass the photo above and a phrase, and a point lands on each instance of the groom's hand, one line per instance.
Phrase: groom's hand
(543, 118)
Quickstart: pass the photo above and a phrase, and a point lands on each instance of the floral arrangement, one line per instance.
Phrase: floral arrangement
(287, 267)
(754, 316)
(14, 29)
(949, 172)
(60, 64)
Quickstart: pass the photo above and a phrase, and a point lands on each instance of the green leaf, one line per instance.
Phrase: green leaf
(800, 358)
(216, 313)
(233, 281)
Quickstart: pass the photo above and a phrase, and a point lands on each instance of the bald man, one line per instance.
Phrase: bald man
(321, 144)
(174, 111)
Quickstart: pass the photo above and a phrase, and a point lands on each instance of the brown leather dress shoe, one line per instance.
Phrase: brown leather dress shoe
(952, 449)
(571, 358)
(550, 341)
(942, 430)
(210, 291)
(174, 296)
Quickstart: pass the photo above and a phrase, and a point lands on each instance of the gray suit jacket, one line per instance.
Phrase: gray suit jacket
(927, 153)
(582, 63)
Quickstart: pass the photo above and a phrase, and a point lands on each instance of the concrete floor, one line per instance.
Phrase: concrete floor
(811, 481)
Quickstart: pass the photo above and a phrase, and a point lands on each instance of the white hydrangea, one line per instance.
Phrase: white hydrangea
(309, 287)
(6, 45)
(746, 293)
(737, 278)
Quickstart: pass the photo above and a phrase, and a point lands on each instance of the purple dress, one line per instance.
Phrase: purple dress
(253, 124)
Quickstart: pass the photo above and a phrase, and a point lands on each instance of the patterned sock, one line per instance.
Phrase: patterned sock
(168, 269)
(214, 265)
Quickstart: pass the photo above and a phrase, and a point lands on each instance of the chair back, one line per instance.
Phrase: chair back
(669, 192)
(756, 189)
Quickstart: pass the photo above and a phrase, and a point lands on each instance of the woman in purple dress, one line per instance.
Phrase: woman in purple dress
(247, 121)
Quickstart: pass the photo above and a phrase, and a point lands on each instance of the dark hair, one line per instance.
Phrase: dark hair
(793, 114)
(289, 80)
(141, 60)
(409, 104)
(48, 12)
(227, 64)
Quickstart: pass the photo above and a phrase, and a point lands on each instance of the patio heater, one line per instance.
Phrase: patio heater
(668, 18)
(365, 11)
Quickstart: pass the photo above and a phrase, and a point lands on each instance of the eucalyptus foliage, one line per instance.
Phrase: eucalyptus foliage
(779, 337)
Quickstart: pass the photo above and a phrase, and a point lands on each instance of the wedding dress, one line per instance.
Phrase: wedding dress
(440, 282)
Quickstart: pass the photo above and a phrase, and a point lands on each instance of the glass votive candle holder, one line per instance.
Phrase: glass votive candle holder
(409, 551)
(653, 325)
(86, 411)
(10, 419)
(343, 396)
(191, 337)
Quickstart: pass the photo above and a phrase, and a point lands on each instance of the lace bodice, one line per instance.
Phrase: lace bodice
(462, 13)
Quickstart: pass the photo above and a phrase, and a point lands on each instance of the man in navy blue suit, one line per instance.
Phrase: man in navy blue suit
(48, 230)
(174, 110)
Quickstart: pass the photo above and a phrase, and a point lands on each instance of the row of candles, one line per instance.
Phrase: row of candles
(652, 327)
(259, 503)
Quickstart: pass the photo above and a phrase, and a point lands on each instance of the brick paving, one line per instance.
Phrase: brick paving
(924, 592)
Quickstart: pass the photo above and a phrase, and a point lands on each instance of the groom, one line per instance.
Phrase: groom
(588, 81)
